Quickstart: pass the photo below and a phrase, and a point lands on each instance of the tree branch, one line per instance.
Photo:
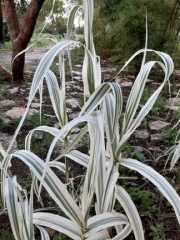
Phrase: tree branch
(29, 21)
(11, 19)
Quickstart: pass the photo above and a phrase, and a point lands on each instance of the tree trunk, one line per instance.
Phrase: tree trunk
(18, 62)
(1, 25)
(21, 35)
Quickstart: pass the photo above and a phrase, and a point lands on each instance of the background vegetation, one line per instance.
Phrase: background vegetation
(119, 28)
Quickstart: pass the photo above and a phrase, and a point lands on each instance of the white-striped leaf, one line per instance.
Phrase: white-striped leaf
(61, 133)
(11, 202)
(103, 221)
(96, 140)
(39, 75)
(58, 223)
(131, 212)
(43, 232)
(78, 157)
(58, 165)
(73, 143)
(17, 210)
(57, 96)
(109, 185)
(52, 184)
(97, 97)
(71, 18)
(124, 233)
(133, 102)
(159, 181)
(53, 131)
(176, 156)
(2, 153)
(91, 68)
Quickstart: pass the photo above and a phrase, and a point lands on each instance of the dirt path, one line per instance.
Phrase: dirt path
(33, 56)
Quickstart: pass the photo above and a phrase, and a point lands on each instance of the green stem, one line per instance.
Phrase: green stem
(67, 171)
(67, 167)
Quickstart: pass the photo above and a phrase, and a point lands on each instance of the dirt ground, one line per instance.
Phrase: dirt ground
(33, 56)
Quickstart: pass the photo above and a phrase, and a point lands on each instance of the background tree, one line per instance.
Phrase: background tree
(21, 32)
(120, 29)
(1, 24)
(21, 18)
(57, 24)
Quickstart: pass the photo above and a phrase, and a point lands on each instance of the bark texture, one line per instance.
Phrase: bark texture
(21, 34)
(1, 24)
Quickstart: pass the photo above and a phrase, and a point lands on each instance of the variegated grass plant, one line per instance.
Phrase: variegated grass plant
(101, 114)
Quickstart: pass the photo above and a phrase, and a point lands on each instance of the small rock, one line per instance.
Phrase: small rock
(7, 103)
(155, 137)
(177, 72)
(78, 88)
(78, 78)
(142, 134)
(118, 79)
(78, 66)
(77, 73)
(38, 134)
(174, 108)
(73, 103)
(14, 90)
(35, 105)
(106, 70)
(173, 101)
(149, 80)
(75, 130)
(131, 77)
(68, 88)
(154, 148)
(138, 148)
(67, 83)
(22, 91)
(113, 69)
(35, 99)
(158, 125)
(156, 83)
(73, 115)
(126, 84)
(17, 112)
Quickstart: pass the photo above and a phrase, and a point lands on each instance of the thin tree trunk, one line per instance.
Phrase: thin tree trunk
(172, 16)
(18, 62)
(21, 35)
(1, 25)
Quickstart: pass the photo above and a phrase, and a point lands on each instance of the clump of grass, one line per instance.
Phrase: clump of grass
(6, 235)
(168, 136)
(143, 199)
(158, 105)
